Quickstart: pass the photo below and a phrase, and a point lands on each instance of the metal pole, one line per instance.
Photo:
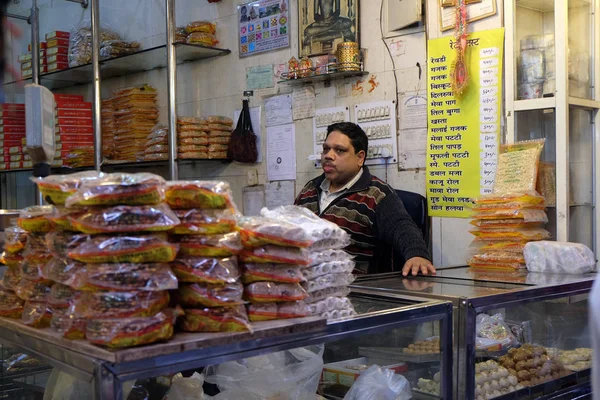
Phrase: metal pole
(35, 43)
(172, 88)
(16, 16)
(97, 103)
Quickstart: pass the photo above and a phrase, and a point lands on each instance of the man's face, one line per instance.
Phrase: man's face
(339, 160)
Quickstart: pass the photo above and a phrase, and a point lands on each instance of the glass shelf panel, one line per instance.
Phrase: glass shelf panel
(580, 34)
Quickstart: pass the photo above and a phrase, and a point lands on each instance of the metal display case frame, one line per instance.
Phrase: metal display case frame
(466, 308)
(98, 365)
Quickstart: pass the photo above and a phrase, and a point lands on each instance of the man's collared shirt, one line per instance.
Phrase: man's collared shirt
(327, 197)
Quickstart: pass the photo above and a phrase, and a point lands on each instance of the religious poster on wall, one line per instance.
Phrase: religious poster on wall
(325, 23)
(263, 25)
(463, 132)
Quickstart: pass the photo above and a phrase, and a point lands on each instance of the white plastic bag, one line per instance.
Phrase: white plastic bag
(286, 375)
(379, 384)
(186, 388)
(559, 257)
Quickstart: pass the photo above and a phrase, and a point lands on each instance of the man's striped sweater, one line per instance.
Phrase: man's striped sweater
(382, 233)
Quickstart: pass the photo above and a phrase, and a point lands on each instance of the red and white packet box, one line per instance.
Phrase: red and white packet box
(74, 121)
(16, 114)
(75, 130)
(12, 107)
(12, 121)
(13, 129)
(66, 112)
(57, 50)
(57, 58)
(68, 98)
(72, 105)
(57, 35)
(57, 42)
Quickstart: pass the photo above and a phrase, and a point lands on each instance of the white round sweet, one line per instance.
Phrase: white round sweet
(478, 379)
(503, 372)
(511, 389)
(483, 367)
(485, 377)
(495, 385)
(486, 387)
(503, 383)
(512, 380)
(436, 377)
(477, 368)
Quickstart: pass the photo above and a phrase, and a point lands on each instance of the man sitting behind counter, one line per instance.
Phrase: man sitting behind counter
(364, 206)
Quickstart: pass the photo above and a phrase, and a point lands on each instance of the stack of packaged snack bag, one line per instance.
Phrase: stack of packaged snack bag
(207, 267)
(288, 263)
(26, 61)
(200, 32)
(157, 144)
(136, 113)
(32, 287)
(12, 134)
(11, 306)
(514, 214)
(109, 128)
(219, 136)
(192, 138)
(74, 130)
(57, 53)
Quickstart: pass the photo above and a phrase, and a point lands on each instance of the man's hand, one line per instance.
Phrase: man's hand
(418, 264)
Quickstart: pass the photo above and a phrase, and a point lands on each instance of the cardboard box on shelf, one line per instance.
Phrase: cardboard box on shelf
(13, 158)
(26, 73)
(16, 165)
(11, 137)
(69, 146)
(66, 112)
(57, 66)
(12, 107)
(58, 42)
(76, 138)
(28, 57)
(68, 98)
(75, 130)
(42, 45)
(29, 64)
(7, 151)
(12, 114)
(72, 105)
(13, 129)
(57, 50)
(12, 121)
(12, 143)
(27, 164)
(57, 58)
(74, 121)
(57, 35)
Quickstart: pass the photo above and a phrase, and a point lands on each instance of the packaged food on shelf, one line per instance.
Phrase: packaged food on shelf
(499, 257)
(271, 292)
(208, 295)
(495, 265)
(191, 121)
(62, 217)
(546, 182)
(124, 219)
(206, 270)
(283, 273)
(512, 223)
(11, 279)
(220, 319)
(32, 271)
(34, 219)
(14, 239)
(192, 148)
(195, 155)
(36, 314)
(218, 133)
(559, 257)
(157, 141)
(117, 48)
(196, 141)
(510, 200)
(532, 66)
(199, 194)
(532, 42)
(119, 189)
(319, 295)
(333, 306)
(212, 127)
(35, 249)
(152, 277)
(11, 306)
(273, 311)
(63, 270)
(126, 248)
(530, 364)
(205, 222)
(62, 296)
(217, 155)
(218, 119)
(518, 167)
(276, 254)
(180, 35)
(330, 267)
(329, 280)
(156, 157)
(80, 43)
(219, 140)
(223, 245)
(64, 322)
(201, 26)
(59, 243)
(129, 332)
(525, 214)
(120, 304)
(511, 234)
(12, 261)
(202, 38)
(32, 291)
(20, 361)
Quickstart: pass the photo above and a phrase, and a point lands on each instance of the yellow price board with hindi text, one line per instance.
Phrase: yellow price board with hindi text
(463, 132)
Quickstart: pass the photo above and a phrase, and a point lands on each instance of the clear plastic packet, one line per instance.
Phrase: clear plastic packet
(531, 66)
(124, 219)
(495, 265)
(220, 319)
(202, 38)
(80, 43)
(60, 242)
(206, 270)
(219, 127)
(224, 245)
(330, 304)
(340, 291)
(525, 214)
(11, 306)
(502, 246)
(141, 90)
(329, 280)
(157, 141)
(62, 296)
(32, 271)
(272, 311)
(196, 155)
(494, 327)
(120, 189)
(559, 257)
(217, 155)
(512, 223)
(283, 273)
(331, 267)
(129, 332)
(60, 219)
(509, 234)
(10, 279)
(159, 131)
(63, 270)
(191, 121)
(36, 250)
(270, 292)
(14, 239)
(196, 141)
(114, 49)
(192, 148)
(120, 304)
(217, 148)
(156, 148)
(260, 231)
(510, 200)
(151, 277)
(518, 167)
(276, 254)
(218, 119)
(36, 314)
(34, 219)
(64, 321)
(222, 140)
(204, 222)
(499, 256)
(216, 134)
(33, 291)
(191, 130)
(199, 194)
(12, 261)
(201, 26)
(207, 295)
(131, 249)
(156, 157)
(330, 244)
(20, 361)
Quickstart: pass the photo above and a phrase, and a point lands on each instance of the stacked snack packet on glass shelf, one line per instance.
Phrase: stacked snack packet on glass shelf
(136, 113)
(207, 268)
(157, 144)
(192, 138)
(32, 287)
(74, 131)
(111, 260)
(11, 305)
(293, 265)
(200, 32)
(219, 136)
(513, 214)
(109, 128)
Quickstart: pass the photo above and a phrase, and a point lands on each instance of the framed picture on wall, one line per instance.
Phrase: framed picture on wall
(325, 23)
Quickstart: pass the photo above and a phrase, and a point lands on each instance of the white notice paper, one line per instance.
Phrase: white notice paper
(413, 112)
(253, 198)
(413, 144)
(303, 102)
(256, 128)
(280, 193)
(278, 110)
(281, 153)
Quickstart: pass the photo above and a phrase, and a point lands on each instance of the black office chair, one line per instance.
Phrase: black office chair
(416, 207)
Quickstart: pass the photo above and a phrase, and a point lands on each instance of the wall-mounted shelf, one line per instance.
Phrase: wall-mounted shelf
(144, 60)
(324, 77)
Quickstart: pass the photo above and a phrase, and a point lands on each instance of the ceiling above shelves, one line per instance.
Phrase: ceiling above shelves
(145, 60)
(548, 5)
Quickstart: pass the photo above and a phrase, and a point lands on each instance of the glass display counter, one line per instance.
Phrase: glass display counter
(409, 335)
(498, 314)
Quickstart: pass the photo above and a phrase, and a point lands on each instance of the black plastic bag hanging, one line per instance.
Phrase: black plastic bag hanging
(242, 146)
